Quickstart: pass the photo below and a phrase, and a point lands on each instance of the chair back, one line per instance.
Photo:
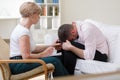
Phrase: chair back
(4, 49)
(4, 55)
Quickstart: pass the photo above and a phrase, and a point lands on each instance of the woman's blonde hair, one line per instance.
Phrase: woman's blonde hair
(29, 8)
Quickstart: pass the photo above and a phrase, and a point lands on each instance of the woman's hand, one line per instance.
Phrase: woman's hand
(47, 52)
(66, 45)
(57, 45)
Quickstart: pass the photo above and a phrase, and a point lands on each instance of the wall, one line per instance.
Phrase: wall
(6, 27)
(10, 7)
(106, 11)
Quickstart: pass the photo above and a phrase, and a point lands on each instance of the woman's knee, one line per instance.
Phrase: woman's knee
(53, 60)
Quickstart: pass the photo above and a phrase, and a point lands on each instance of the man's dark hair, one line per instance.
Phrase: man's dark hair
(64, 32)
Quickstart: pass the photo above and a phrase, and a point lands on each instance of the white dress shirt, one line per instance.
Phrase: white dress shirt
(92, 38)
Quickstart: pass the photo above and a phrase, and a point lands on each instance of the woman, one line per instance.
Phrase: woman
(22, 45)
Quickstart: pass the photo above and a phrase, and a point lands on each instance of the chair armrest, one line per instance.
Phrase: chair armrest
(28, 61)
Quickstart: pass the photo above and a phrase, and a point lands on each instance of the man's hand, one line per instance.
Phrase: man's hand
(57, 45)
(67, 45)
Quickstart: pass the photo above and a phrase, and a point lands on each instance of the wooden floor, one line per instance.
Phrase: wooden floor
(104, 76)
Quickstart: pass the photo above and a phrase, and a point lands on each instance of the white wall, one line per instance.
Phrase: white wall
(10, 7)
(6, 27)
(106, 11)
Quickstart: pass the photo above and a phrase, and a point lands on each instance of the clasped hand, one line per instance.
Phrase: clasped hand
(64, 45)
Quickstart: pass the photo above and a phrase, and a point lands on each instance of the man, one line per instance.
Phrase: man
(81, 40)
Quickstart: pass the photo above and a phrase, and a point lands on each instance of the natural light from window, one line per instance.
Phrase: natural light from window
(10, 8)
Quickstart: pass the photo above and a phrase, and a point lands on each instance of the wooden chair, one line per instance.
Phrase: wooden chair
(5, 70)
